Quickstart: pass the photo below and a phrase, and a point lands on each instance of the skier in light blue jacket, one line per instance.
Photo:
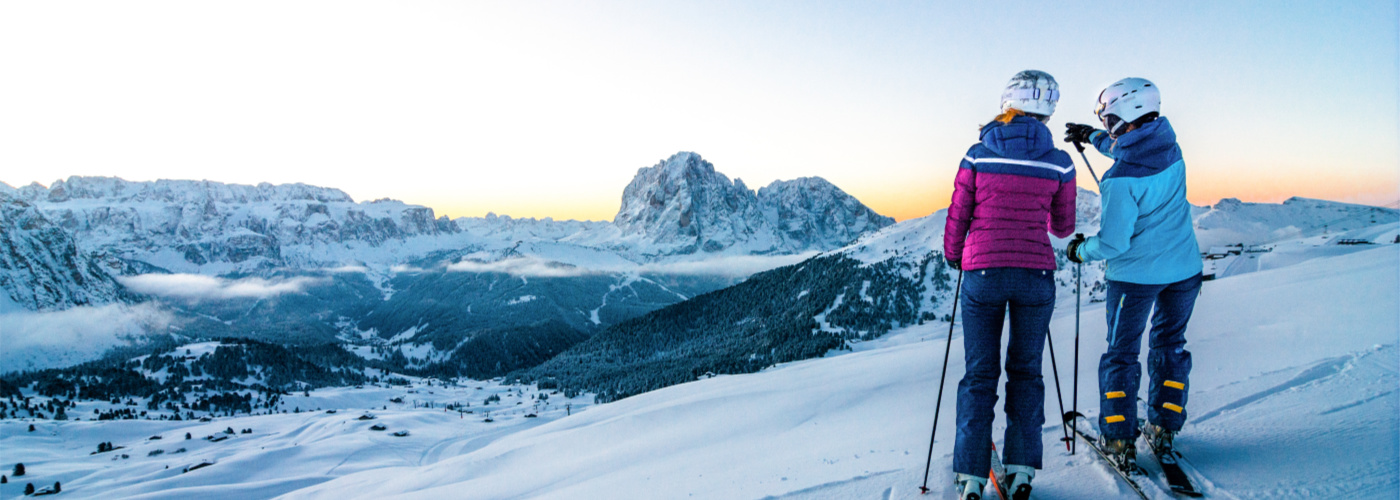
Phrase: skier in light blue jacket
(1153, 265)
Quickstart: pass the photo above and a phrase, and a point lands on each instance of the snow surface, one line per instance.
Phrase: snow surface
(1290, 362)
(285, 451)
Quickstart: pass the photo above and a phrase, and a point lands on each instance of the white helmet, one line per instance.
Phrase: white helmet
(1031, 91)
(1125, 101)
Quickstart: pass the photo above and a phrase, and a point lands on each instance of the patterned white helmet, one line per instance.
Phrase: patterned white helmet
(1031, 91)
(1125, 101)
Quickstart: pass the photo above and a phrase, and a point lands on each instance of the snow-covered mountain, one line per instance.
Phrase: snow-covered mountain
(810, 212)
(298, 263)
(216, 228)
(42, 269)
(680, 208)
(683, 206)
(1233, 222)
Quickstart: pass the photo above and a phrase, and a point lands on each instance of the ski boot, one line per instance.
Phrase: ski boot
(1159, 438)
(1124, 453)
(969, 487)
(1019, 481)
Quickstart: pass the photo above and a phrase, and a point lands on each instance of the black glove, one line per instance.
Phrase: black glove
(1075, 132)
(1072, 251)
(955, 264)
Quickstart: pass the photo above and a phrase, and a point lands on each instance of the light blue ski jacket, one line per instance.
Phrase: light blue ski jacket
(1146, 235)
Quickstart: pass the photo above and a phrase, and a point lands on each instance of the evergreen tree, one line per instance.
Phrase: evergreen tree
(56, 487)
(29, 489)
(19, 470)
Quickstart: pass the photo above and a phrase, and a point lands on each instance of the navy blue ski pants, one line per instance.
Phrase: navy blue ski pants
(1168, 361)
(986, 296)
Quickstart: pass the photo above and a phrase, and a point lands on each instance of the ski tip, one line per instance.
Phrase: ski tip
(1069, 416)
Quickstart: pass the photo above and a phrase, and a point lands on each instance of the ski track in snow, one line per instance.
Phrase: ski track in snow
(1319, 372)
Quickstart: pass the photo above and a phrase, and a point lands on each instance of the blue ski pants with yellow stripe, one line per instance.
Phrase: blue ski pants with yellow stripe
(1168, 362)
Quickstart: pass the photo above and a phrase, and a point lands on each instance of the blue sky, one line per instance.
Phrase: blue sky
(548, 108)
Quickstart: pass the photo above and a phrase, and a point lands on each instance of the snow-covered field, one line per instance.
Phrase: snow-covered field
(324, 438)
(1294, 395)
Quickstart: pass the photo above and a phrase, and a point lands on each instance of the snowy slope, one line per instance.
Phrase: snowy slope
(320, 437)
(1290, 361)
(855, 425)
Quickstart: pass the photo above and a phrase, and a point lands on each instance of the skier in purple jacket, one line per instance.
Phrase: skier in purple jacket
(1012, 186)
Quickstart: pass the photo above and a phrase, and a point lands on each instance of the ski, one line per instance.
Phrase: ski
(1177, 478)
(1170, 461)
(998, 475)
(1001, 482)
(1126, 476)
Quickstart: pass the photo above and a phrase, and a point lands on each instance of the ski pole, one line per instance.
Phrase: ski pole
(939, 405)
(1080, 146)
(1078, 285)
(1058, 395)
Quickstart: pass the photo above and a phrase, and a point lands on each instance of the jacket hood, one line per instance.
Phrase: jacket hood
(1146, 143)
(1024, 138)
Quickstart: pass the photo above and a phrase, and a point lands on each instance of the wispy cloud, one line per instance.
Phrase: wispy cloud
(736, 266)
(37, 340)
(348, 268)
(200, 287)
(531, 267)
(729, 266)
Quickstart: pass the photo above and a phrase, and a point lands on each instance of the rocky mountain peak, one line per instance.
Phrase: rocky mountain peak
(683, 205)
(810, 210)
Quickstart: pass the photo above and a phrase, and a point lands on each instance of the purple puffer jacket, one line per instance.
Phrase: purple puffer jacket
(1010, 188)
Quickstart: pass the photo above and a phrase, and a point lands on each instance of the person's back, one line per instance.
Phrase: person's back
(1146, 236)
(1153, 266)
(1010, 188)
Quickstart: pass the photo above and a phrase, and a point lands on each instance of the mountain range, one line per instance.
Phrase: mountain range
(696, 275)
(305, 264)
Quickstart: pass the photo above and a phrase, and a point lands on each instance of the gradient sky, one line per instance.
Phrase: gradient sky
(538, 109)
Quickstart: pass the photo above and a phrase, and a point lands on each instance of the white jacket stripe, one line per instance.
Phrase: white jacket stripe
(1028, 163)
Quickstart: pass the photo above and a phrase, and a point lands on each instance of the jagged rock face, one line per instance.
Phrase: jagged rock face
(182, 192)
(41, 268)
(682, 205)
(811, 212)
(209, 222)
